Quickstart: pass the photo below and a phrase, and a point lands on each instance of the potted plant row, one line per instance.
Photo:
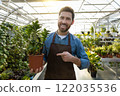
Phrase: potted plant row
(116, 47)
(108, 51)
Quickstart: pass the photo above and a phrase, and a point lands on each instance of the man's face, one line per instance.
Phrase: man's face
(65, 21)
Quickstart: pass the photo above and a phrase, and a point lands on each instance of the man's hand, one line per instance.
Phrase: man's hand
(66, 56)
(38, 69)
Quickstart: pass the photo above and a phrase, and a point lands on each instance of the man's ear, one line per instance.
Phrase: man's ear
(73, 22)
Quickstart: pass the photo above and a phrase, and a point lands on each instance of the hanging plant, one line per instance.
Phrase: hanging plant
(103, 29)
(114, 29)
(92, 30)
(88, 32)
(82, 32)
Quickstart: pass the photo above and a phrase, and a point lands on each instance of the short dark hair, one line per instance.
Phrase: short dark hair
(68, 9)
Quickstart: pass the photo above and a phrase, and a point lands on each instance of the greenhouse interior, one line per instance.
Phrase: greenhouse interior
(96, 24)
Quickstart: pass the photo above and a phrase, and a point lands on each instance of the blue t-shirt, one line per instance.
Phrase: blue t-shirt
(76, 48)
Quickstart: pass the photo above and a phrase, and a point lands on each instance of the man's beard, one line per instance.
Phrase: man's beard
(63, 30)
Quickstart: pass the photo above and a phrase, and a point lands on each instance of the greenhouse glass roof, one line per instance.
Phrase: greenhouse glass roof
(87, 12)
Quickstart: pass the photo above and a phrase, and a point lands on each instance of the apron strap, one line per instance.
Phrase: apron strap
(69, 39)
(55, 36)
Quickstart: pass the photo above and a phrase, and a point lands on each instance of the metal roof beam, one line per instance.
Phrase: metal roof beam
(19, 12)
(33, 0)
(56, 22)
(75, 12)
(97, 4)
(57, 19)
(111, 13)
(4, 8)
(81, 5)
(9, 18)
(108, 15)
(22, 9)
(32, 8)
(116, 20)
(117, 3)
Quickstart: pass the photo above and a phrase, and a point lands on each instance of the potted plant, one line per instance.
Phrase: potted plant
(94, 63)
(104, 51)
(118, 51)
(97, 41)
(98, 50)
(115, 51)
(35, 46)
(109, 50)
(116, 48)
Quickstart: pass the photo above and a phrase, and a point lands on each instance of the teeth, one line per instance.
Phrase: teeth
(63, 25)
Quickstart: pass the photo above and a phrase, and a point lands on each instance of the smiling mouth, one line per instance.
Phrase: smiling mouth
(63, 26)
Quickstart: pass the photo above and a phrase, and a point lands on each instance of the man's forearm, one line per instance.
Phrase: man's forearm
(76, 61)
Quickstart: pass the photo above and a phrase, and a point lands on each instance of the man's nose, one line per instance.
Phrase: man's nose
(64, 21)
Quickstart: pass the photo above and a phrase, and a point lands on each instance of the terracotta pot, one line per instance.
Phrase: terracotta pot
(35, 61)
(118, 55)
(110, 56)
(104, 56)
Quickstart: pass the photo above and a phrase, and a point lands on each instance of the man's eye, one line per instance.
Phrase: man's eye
(61, 17)
(68, 18)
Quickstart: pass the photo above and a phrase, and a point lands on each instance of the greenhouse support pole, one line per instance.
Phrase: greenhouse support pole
(108, 24)
(99, 26)
(84, 27)
(94, 30)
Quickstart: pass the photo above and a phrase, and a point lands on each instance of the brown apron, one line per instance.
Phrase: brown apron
(57, 69)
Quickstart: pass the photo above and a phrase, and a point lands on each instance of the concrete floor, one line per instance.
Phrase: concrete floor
(107, 74)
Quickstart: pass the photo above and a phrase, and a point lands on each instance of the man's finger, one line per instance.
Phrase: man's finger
(60, 54)
(40, 69)
(31, 70)
(36, 71)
